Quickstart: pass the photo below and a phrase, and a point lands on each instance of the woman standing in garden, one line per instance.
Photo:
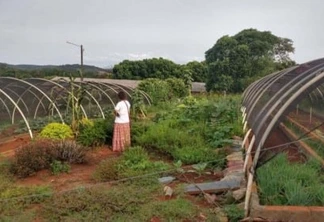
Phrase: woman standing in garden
(121, 137)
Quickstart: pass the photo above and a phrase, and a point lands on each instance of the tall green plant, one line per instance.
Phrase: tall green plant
(138, 105)
(76, 95)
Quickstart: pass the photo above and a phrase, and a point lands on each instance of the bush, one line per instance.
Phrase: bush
(178, 88)
(56, 131)
(69, 151)
(106, 170)
(39, 155)
(93, 133)
(134, 156)
(135, 161)
(163, 90)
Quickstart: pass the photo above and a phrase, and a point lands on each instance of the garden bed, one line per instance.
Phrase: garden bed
(261, 212)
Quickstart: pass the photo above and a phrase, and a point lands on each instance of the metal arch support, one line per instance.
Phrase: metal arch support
(142, 92)
(5, 105)
(103, 91)
(271, 125)
(62, 87)
(94, 99)
(147, 97)
(41, 91)
(20, 98)
(273, 79)
(102, 113)
(320, 92)
(250, 92)
(26, 107)
(284, 91)
(21, 113)
(106, 86)
(122, 88)
(14, 109)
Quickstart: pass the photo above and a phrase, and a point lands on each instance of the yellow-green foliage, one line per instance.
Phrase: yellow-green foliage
(86, 122)
(56, 131)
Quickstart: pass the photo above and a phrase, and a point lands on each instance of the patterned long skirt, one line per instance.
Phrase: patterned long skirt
(121, 137)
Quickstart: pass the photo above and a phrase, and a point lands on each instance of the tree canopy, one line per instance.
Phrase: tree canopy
(159, 68)
(236, 61)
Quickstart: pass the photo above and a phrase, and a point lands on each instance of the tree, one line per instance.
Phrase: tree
(147, 68)
(198, 70)
(235, 61)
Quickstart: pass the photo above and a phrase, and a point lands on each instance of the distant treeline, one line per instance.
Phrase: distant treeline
(28, 71)
(137, 70)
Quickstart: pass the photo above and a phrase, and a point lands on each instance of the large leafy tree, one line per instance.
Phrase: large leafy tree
(147, 68)
(198, 70)
(235, 61)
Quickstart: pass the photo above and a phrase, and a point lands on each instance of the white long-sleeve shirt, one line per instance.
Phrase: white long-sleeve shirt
(123, 108)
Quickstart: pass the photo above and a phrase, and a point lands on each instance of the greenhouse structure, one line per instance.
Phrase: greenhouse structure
(27, 99)
(280, 112)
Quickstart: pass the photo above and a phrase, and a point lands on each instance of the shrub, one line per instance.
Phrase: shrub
(157, 89)
(178, 88)
(69, 151)
(33, 157)
(56, 131)
(39, 154)
(93, 133)
(135, 161)
(106, 170)
(134, 156)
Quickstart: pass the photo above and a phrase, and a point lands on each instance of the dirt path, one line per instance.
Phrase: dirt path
(8, 145)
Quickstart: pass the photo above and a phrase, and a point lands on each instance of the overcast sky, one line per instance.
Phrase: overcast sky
(36, 31)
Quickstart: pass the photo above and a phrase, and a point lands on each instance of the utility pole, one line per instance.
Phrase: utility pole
(81, 48)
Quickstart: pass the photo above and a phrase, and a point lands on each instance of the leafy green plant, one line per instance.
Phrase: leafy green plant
(138, 105)
(135, 161)
(107, 170)
(178, 166)
(93, 133)
(56, 131)
(58, 167)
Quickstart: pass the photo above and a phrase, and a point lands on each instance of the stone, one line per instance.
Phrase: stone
(165, 180)
(214, 187)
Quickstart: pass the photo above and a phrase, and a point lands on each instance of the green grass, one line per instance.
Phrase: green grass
(284, 183)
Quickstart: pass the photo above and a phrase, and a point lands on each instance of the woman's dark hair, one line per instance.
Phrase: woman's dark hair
(122, 95)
